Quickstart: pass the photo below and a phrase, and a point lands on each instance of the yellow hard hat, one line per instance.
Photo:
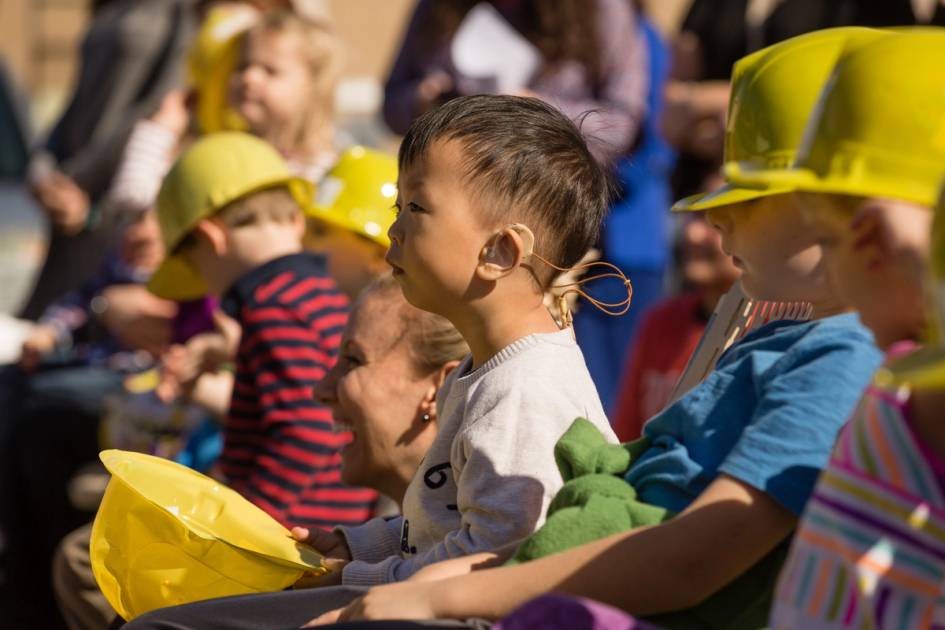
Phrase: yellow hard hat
(211, 62)
(359, 193)
(216, 170)
(773, 93)
(166, 535)
(879, 125)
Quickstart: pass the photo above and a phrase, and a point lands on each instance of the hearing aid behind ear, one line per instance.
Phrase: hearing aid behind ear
(564, 311)
(527, 236)
(528, 242)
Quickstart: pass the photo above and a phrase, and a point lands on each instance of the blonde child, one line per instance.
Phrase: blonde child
(870, 550)
(284, 87)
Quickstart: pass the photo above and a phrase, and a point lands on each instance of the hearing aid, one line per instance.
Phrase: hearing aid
(524, 233)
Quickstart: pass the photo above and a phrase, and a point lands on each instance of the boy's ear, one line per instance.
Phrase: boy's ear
(298, 222)
(503, 253)
(871, 237)
(214, 234)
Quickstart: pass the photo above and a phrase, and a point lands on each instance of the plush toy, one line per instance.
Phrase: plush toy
(595, 501)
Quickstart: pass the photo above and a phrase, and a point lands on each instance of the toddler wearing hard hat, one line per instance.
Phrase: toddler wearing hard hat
(230, 213)
(870, 549)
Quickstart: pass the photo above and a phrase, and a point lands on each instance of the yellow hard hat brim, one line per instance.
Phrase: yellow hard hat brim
(806, 180)
(727, 195)
(177, 280)
(373, 231)
(166, 535)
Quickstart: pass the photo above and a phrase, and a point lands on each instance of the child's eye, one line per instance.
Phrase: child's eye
(414, 207)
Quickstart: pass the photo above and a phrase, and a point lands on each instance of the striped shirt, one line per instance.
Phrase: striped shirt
(280, 451)
(870, 549)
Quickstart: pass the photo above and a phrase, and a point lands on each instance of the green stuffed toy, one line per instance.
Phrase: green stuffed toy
(595, 501)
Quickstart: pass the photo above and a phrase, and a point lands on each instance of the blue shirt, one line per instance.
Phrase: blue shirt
(767, 415)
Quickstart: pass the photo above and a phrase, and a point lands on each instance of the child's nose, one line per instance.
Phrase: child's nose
(394, 232)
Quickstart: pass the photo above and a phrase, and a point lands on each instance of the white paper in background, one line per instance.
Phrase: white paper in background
(487, 48)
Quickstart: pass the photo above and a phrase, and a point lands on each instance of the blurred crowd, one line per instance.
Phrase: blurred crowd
(107, 363)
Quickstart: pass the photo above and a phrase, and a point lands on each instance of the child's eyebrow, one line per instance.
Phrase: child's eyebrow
(413, 183)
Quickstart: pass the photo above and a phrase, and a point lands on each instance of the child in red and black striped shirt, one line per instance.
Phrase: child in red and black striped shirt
(231, 217)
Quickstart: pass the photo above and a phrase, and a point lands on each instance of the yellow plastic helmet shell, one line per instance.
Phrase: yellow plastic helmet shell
(878, 129)
(211, 61)
(359, 193)
(774, 91)
(165, 535)
(216, 170)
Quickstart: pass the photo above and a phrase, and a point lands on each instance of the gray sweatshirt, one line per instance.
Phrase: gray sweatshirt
(490, 474)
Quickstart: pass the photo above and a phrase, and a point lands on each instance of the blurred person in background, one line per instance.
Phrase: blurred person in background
(715, 33)
(671, 329)
(130, 57)
(56, 398)
(636, 232)
(592, 64)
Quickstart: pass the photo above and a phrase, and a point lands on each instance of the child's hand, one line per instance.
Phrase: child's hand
(329, 544)
(173, 113)
(334, 550)
(40, 342)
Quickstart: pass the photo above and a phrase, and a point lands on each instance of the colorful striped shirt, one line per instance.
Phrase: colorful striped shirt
(870, 549)
(280, 450)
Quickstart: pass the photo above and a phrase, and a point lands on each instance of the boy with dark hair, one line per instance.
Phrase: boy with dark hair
(485, 184)
(488, 186)
(231, 218)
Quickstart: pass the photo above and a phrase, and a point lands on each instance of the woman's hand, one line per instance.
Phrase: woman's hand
(40, 342)
(137, 318)
(64, 201)
(404, 600)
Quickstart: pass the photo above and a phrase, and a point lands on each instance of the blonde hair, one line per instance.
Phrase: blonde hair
(323, 53)
(433, 340)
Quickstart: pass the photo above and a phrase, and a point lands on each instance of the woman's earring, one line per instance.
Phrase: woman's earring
(425, 417)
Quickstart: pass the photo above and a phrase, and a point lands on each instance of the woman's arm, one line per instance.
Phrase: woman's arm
(668, 567)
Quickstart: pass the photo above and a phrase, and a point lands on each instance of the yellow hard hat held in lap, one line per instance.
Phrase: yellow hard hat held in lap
(166, 535)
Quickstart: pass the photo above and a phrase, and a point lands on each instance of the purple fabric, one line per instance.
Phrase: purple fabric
(193, 318)
(614, 109)
(557, 611)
